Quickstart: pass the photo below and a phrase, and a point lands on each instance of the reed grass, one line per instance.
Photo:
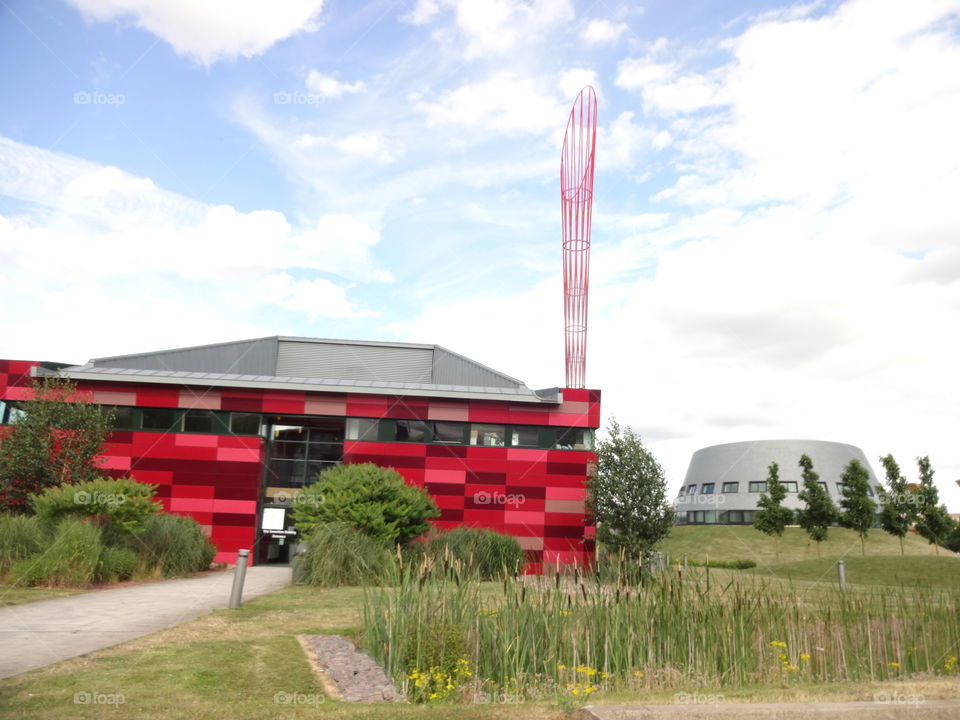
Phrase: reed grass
(578, 635)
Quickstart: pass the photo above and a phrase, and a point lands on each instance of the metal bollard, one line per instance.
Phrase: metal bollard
(842, 576)
(236, 594)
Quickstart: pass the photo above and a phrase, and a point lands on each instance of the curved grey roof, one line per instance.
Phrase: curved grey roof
(743, 462)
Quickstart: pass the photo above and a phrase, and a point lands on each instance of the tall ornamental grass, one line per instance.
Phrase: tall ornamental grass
(20, 537)
(576, 636)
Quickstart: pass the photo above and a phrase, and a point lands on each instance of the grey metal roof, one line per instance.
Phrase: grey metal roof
(322, 359)
(180, 377)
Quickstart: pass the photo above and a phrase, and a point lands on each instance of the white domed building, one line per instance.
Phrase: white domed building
(724, 482)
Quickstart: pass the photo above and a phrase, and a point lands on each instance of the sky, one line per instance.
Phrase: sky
(776, 226)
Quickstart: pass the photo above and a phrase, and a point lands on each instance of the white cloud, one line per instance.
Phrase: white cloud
(317, 297)
(484, 28)
(108, 226)
(504, 102)
(372, 145)
(208, 30)
(602, 32)
(327, 86)
(574, 80)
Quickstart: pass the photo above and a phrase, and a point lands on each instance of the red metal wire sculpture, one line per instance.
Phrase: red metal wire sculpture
(576, 202)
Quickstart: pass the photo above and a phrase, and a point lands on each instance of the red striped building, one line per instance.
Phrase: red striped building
(228, 432)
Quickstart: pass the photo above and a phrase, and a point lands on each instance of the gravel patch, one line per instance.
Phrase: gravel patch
(355, 676)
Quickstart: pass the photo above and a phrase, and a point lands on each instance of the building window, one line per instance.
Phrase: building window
(749, 516)
(869, 491)
(410, 431)
(168, 419)
(362, 429)
(840, 487)
(731, 516)
(825, 488)
(574, 439)
(706, 489)
(790, 487)
(731, 487)
(123, 416)
(200, 421)
(691, 489)
(525, 437)
(758, 487)
(244, 423)
(448, 432)
(489, 435)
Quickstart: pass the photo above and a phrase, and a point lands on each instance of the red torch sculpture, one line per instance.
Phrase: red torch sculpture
(576, 202)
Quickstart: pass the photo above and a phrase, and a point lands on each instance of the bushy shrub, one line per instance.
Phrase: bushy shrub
(337, 554)
(175, 545)
(70, 560)
(116, 563)
(20, 537)
(724, 564)
(121, 505)
(485, 554)
(375, 500)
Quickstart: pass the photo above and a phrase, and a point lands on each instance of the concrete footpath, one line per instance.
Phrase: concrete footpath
(886, 707)
(41, 633)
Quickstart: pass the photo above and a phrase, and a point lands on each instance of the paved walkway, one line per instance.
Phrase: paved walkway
(888, 706)
(40, 633)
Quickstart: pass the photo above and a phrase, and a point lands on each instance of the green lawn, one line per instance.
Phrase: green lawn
(10, 595)
(232, 664)
(893, 571)
(736, 542)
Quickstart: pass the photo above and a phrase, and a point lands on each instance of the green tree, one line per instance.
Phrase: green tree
(772, 518)
(898, 505)
(818, 512)
(56, 441)
(627, 494)
(857, 511)
(372, 499)
(933, 521)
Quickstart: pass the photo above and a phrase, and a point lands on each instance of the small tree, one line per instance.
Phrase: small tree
(933, 521)
(772, 518)
(898, 509)
(857, 511)
(818, 512)
(57, 441)
(627, 494)
(372, 499)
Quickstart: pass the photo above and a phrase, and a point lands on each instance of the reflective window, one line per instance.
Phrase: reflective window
(574, 439)
(362, 429)
(706, 489)
(448, 432)
(730, 487)
(790, 487)
(489, 435)
(245, 423)
(161, 419)
(198, 421)
(525, 437)
(758, 487)
(411, 431)
(691, 489)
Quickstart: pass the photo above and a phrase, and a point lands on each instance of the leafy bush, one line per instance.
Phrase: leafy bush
(116, 563)
(487, 554)
(70, 560)
(724, 564)
(339, 555)
(174, 545)
(20, 537)
(121, 505)
(374, 500)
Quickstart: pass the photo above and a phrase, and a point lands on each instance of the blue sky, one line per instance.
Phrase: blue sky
(775, 229)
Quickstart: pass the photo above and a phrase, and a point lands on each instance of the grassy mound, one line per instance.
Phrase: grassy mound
(894, 571)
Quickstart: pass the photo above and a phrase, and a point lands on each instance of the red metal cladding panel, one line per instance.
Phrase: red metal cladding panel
(576, 204)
